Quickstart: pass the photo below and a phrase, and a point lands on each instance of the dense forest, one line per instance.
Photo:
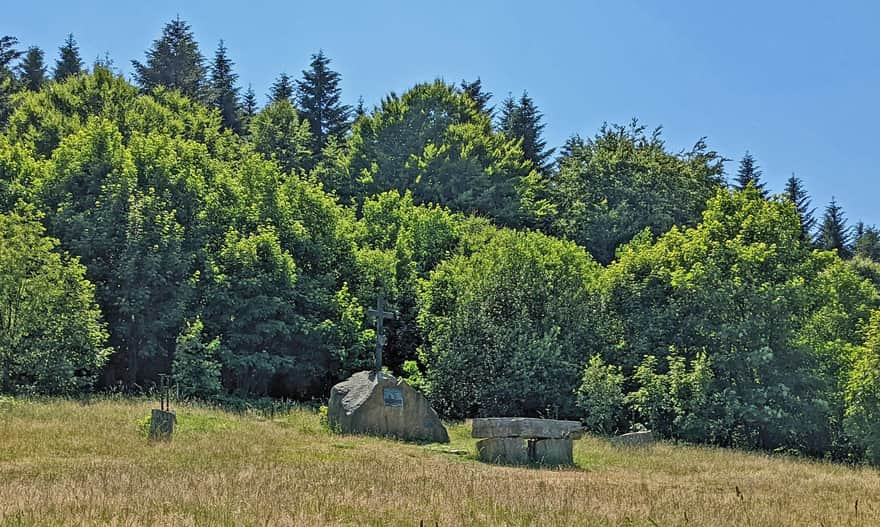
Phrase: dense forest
(169, 225)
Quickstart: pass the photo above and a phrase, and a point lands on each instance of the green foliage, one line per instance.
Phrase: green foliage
(279, 133)
(18, 172)
(8, 83)
(520, 119)
(678, 402)
(123, 211)
(505, 327)
(281, 89)
(866, 242)
(749, 174)
(435, 142)
(42, 119)
(867, 269)
(224, 92)
(248, 109)
(863, 393)
(32, 70)
(401, 243)
(834, 235)
(52, 339)
(474, 90)
(318, 97)
(797, 194)
(69, 62)
(601, 397)
(195, 367)
(175, 62)
(610, 188)
(739, 288)
(222, 260)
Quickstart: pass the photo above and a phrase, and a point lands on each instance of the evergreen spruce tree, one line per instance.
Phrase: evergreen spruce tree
(475, 90)
(174, 61)
(521, 119)
(248, 109)
(508, 119)
(360, 110)
(749, 172)
(796, 194)
(318, 96)
(8, 84)
(833, 233)
(224, 92)
(69, 62)
(32, 70)
(866, 242)
(281, 89)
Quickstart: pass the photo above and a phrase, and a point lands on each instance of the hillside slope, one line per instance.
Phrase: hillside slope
(63, 462)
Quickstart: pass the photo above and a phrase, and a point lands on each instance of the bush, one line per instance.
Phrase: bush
(505, 327)
(601, 397)
(196, 368)
(862, 419)
(52, 338)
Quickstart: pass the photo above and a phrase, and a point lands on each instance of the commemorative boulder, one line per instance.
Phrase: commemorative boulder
(380, 404)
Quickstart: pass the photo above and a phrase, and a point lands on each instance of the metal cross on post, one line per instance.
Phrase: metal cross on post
(380, 315)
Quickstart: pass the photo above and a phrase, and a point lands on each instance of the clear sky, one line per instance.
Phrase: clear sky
(797, 83)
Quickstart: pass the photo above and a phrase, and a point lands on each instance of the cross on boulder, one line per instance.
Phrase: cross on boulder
(380, 315)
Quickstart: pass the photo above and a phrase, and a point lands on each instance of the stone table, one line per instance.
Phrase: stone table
(525, 440)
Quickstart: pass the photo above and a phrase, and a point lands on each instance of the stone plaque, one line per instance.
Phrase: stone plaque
(393, 397)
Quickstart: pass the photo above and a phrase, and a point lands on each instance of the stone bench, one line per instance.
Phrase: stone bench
(525, 440)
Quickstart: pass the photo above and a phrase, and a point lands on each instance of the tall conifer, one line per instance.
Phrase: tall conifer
(318, 96)
(796, 194)
(32, 70)
(174, 61)
(247, 109)
(281, 89)
(749, 172)
(833, 233)
(521, 119)
(69, 61)
(224, 92)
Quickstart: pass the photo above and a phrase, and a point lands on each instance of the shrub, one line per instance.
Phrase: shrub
(601, 397)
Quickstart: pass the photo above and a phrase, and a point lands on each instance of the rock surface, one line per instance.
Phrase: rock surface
(643, 438)
(511, 450)
(526, 427)
(553, 452)
(385, 407)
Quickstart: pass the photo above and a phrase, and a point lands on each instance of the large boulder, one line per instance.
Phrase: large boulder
(383, 406)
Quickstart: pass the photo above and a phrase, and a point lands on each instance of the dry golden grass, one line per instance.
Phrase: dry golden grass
(71, 464)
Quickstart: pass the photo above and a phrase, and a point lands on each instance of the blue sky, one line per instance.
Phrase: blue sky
(795, 83)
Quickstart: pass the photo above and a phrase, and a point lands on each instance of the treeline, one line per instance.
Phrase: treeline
(171, 226)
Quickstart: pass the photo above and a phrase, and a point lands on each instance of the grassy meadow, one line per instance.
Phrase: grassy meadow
(67, 463)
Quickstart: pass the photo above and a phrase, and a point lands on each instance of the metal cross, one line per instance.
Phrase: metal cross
(380, 315)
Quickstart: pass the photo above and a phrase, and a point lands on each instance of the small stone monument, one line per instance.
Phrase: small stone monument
(371, 402)
(524, 440)
(162, 420)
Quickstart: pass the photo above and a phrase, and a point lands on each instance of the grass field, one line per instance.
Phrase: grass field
(64, 463)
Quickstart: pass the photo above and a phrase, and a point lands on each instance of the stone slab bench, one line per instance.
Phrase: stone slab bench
(524, 440)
